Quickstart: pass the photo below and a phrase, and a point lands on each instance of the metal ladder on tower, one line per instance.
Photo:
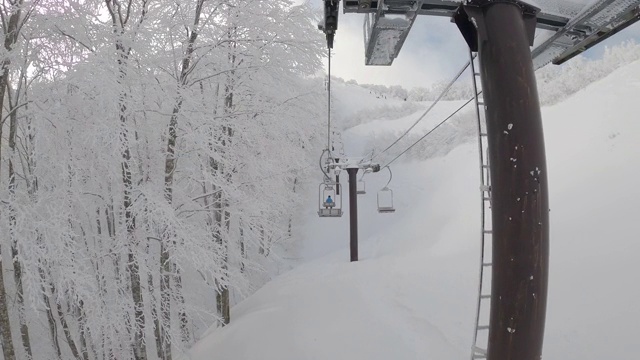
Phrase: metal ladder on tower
(481, 332)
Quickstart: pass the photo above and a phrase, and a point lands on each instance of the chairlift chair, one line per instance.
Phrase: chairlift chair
(334, 207)
(360, 188)
(385, 201)
(385, 197)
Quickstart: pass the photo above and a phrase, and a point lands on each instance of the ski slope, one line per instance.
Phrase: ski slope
(413, 294)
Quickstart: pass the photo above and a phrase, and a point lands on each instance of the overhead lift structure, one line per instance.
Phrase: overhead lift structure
(388, 22)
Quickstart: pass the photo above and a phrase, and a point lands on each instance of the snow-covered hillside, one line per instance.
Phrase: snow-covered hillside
(412, 295)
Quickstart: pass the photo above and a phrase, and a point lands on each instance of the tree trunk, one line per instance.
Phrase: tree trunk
(67, 332)
(120, 15)
(139, 349)
(166, 263)
(154, 313)
(11, 36)
(243, 250)
(182, 310)
(222, 215)
(165, 302)
(222, 301)
(222, 295)
(53, 328)
(17, 268)
(5, 325)
(45, 283)
(82, 327)
(263, 241)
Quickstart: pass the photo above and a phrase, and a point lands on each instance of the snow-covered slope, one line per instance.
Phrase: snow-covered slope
(412, 295)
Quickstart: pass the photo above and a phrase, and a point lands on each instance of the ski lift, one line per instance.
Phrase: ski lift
(329, 200)
(360, 185)
(360, 189)
(385, 197)
(385, 201)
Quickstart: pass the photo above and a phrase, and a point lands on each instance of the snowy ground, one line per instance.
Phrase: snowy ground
(412, 295)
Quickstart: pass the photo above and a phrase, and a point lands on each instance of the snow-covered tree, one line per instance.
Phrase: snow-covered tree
(151, 155)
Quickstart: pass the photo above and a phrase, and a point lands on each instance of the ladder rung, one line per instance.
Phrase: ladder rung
(479, 351)
(487, 264)
(487, 231)
(486, 198)
(485, 166)
(483, 327)
(480, 103)
(476, 73)
(485, 296)
(483, 134)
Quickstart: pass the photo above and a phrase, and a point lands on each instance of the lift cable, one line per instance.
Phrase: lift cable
(329, 105)
(431, 131)
(473, 56)
(442, 94)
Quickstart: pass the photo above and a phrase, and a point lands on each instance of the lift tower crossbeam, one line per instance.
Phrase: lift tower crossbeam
(388, 23)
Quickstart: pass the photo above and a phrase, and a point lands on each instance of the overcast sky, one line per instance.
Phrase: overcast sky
(434, 51)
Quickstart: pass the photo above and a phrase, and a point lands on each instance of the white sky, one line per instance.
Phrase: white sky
(434, 51)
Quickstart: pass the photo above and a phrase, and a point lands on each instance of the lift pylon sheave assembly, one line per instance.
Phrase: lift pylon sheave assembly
(329, 23)
(388, 23)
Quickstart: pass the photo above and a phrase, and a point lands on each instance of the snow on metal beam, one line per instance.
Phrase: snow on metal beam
(384, 36)
(596, 23)
(388, 23)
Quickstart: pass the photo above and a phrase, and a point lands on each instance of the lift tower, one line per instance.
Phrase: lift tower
(501, 33)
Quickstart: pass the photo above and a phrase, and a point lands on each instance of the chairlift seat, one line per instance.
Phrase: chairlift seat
(329, 191)
(360, 188)
(330, 212)
(385, 201)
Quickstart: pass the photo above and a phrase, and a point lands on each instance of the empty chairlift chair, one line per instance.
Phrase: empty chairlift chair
(330, 200)
(385, 197)
(360, 189)
(385, 201)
